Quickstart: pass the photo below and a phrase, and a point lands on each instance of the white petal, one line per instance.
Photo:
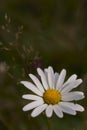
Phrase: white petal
(58, 111)
(66, 108)
(78, 107)
(31, 87)
(61, 79)
(50, 77)
(49, 111)
(56, 76)
(37, 82)
(32, 105)
(38, 110)
(68, 104)
(71, 85)
(71, 79)
(43, 78)
(75, 95)
(31, 97)
(73, 106)
(46, 74)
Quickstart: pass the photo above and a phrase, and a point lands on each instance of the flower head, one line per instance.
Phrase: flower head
(52, 93)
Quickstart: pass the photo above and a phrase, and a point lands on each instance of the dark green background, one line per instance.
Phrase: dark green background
(40, 33)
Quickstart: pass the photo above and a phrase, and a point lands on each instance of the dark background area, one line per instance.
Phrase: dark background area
(39, 33)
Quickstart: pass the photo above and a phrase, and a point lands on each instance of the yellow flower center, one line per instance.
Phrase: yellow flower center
(52, 96)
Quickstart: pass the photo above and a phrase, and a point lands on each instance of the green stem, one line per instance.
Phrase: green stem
(48, 122)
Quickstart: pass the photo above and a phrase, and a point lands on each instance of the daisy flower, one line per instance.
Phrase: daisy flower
(52, 94)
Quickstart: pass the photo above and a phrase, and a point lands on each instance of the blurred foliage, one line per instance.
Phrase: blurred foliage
(38, 33)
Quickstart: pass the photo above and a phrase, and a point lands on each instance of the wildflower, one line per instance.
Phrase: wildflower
(52, 94)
